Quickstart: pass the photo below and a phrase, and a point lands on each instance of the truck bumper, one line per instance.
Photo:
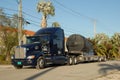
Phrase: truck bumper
(24, 62)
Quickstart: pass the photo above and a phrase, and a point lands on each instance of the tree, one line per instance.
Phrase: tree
(100, 43)
(10, 21)
(110, 47)
(101, 38)
(14, 21)
(55, 24)
(4, 20)
(8, 40)
(8, 33)
(115, 41)
(46, 8)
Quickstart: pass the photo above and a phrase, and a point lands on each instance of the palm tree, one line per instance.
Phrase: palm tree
(101, 38)
(55, 24)
(115, 41)
(100, 43)
(46, 8)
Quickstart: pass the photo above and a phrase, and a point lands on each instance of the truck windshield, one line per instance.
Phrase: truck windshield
(37, 39)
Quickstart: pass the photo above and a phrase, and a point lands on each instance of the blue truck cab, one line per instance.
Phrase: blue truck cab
(45, 47)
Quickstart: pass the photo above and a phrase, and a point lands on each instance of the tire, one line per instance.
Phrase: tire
(70, 61)
(40, 63)
(74, 60)
(85, 59)
(18, 67)
(104, 59)
(99, 59)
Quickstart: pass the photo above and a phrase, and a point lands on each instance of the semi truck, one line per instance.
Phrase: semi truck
(48, 46)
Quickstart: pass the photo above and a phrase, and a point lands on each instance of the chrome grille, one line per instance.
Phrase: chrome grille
(20, 53)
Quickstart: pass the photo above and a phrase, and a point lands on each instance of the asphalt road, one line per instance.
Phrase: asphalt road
(82, 71)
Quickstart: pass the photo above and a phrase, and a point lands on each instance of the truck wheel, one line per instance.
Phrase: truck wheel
(40, 63)
(70, 61)
(18, 67)
(74, 60)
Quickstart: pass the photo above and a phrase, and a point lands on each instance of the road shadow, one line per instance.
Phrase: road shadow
(48, 69)
(105, 68)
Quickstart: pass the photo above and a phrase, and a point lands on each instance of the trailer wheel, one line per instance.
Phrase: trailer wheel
(40, 63)
(70, 61)
(99, 59)
(104, 59)
(74, 60)
(18, 67)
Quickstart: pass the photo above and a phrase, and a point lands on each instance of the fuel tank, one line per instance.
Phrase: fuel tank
(77, 43)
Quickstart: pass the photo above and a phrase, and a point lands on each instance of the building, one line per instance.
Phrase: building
(25, 32)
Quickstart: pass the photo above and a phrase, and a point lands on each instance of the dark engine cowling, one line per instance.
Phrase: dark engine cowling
(77, 44)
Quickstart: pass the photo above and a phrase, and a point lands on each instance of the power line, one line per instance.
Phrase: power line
(9, 9)
(34, 22)
(26, 20)
(7, 15)
(73, 11)
(31, 15)
(35, 25)
(23, 12)
(10, 16)
(66, 10)
(78, 14)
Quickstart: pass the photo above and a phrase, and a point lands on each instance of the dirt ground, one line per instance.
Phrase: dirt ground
(109, 70)
(111, 76)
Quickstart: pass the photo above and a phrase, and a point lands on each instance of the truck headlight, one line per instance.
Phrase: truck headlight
(44, 48)
(31, 57)
(12, 57)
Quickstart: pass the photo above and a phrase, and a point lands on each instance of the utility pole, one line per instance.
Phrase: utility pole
(19, 24)
(20, 21)
(94, 21)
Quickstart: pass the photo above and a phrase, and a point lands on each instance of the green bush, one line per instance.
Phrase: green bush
(2, 57)
(2, 60)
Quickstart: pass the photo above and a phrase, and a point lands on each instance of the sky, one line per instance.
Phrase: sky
(74, 16)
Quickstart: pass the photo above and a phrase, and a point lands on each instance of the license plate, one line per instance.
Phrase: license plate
(19, 63)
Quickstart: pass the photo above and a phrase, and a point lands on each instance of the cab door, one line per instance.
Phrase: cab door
(58, 47)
